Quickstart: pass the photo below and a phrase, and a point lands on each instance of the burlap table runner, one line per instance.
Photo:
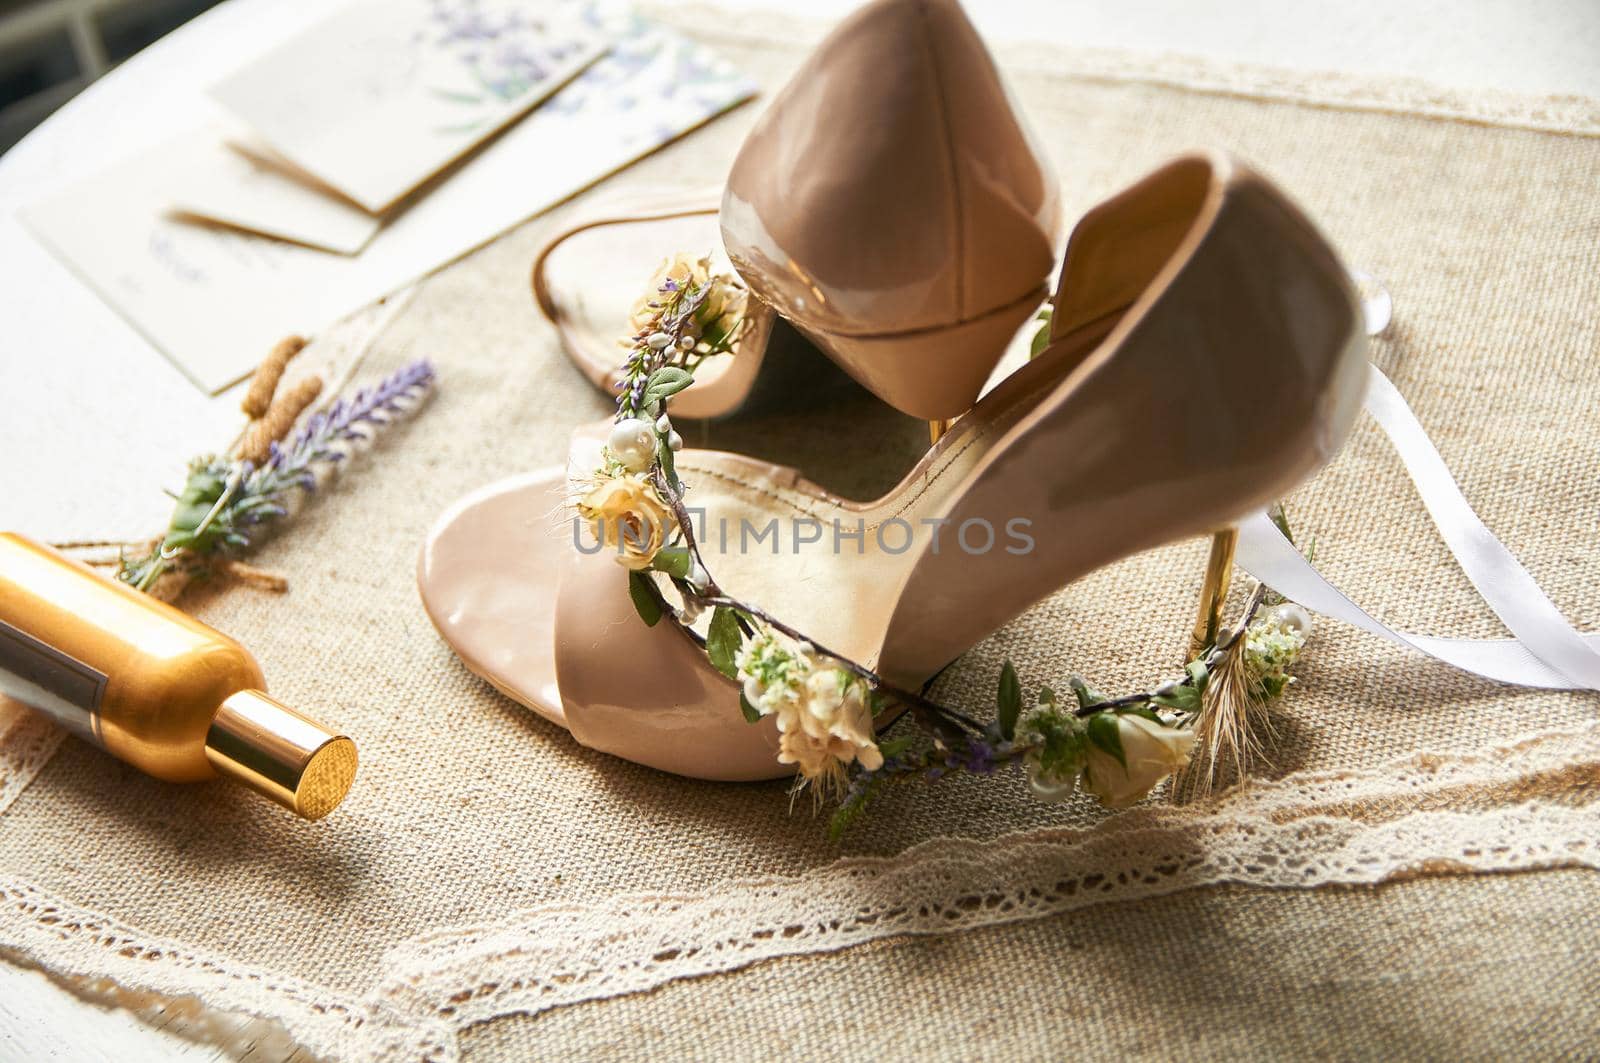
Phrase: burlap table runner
(491, 886)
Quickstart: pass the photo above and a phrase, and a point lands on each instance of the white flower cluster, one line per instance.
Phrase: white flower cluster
(1273, 643)
(824, 719)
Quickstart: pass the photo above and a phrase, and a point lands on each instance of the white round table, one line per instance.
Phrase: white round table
(94, 421)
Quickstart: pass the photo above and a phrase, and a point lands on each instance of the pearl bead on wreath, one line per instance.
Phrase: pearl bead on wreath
(633, 441)
(1293, 616)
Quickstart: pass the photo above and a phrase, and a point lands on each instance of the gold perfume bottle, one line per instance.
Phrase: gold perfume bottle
(153, 686)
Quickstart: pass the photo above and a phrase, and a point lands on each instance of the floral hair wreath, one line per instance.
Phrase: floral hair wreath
(1116, 748)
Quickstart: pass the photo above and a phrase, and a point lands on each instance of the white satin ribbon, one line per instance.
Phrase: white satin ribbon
(1547, 651)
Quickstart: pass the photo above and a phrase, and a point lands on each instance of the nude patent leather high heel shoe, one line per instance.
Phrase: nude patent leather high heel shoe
(890, 204)
(1206, 355)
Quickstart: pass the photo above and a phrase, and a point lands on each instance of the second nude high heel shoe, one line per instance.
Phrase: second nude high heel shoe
(891, 204)
(1206, 355)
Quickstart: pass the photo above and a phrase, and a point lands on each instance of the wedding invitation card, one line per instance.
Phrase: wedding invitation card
(213, 298)
(381, 96)
(214, 182)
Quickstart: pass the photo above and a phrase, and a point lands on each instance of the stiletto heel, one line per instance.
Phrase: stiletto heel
(1213, 592)
(1206, 355)
(890, 204)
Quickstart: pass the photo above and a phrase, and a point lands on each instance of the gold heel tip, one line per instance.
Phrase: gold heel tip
(1214, 590)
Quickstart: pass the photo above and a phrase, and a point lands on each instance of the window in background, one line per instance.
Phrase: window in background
(50, 49)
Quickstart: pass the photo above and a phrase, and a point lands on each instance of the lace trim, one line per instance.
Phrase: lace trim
(1395, 94)
(1424, 815)
(76, 941)
(27, 742)
(558, 957)
(1522, 806)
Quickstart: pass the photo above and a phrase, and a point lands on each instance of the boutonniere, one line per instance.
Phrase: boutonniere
(229, 502)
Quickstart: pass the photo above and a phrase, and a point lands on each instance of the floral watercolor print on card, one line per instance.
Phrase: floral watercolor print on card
(211, 298)
(380, 97)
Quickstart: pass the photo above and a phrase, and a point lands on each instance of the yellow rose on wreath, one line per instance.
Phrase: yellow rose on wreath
(719, 316)
(1151, 751)
(719, 312)
(628, 516)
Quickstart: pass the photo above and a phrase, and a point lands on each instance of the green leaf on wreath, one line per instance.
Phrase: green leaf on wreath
(1086, 694)
(669, 465)
(1105, 736)
(893, 747)
(1184, 699)
(722, 641)
(1009, 700)
(675, 561)
(205, 485)
(751, 713)
(1041, 338)
(666, 382)
(644, 598)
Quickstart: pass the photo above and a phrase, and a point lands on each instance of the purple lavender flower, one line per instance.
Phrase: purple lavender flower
(224, 501)
(977, 756)
(323, 439)
(506, 53)
(264, 493)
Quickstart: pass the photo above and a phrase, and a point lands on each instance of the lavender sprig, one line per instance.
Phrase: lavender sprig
(324, 441)
(675, 312)
(974, 754)
(224, 500)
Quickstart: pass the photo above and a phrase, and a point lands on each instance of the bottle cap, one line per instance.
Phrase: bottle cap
(281, 754)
